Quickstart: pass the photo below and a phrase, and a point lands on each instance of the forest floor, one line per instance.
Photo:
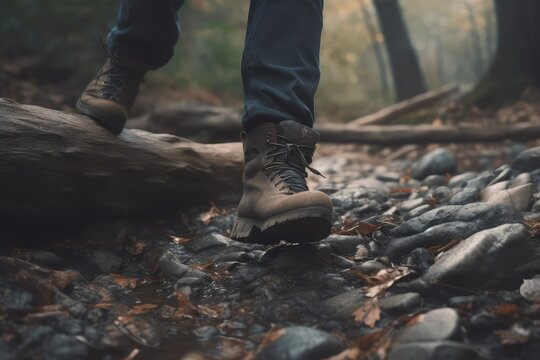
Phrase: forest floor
(433, 254)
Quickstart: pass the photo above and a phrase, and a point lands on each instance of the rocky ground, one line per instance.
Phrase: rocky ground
(427, 260)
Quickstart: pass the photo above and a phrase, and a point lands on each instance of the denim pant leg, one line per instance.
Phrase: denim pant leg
(280, 64)
(146, 31)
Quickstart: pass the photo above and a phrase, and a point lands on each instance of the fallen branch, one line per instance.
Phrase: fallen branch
(404, 107)
(56, 165)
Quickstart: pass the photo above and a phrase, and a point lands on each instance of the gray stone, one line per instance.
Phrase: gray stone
(389, 176)
(486, 259)
(481, 181)
(520, 198)
(342, 262)
(369, 183)
(494, 189)
(343, 244)
(435, 180)
(171, 266)
(437, 162)
(465, 196)
(461, 179)
(369, 267)
(401, 303)
(521, 179)
(293, 256)
(530, 289)
(301, 343)
(536, 206)
(418, 211)
(504, 175)
(102, 261)
(528, 160)
(488, 214)
(60, 347)
(433, 350)
(343, 305)
(409, 205)
(207, 242)
(437, 325)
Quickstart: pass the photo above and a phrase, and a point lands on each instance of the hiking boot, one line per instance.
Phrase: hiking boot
(109, 96)
(277, 204)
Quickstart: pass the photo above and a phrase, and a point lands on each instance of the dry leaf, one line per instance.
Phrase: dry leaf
(132, 355)
(509, 310)
(125, 282)
(356, 228)
(214, 211)
(141, 309)
(369, 313)
(533, 225)
(210, 311)
(383, 280)
(180, 240)
(439, 249)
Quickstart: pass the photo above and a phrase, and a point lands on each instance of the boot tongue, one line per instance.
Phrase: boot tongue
(296, 134)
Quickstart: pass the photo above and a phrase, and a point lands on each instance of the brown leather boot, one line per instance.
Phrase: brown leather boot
(109, 96)
(277, 204)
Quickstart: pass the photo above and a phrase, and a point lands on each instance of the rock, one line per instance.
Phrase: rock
(521, 179)
(342, 262)
(465, 196)
(420, 259)
(292, 256)
(481, 181)
(388, 176)
(504, 175)
(530, 289)
(301, 343)
(520, 198)
(418, 211)
(401, 303)
(369, 267)
(436, 235)
(440, 193)
(486, 259)
(487, 214)
(409, 205)
(494, 189)
(460, 180)
(435, 180)
(433, 350)
(343, 305)
(66, 347)
(536, 206)
(369, 183)
(102, 261)
(205, 333)
(528, 160)
(437, 325)
(343, 244)
(171, 266)
(207, 242)
(437, 162)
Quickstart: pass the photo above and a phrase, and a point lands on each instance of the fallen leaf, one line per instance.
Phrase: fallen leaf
(125, 282)
(272, 336)
(439, 249)
(416, 320)
(132, 355)
(509, 310)
(138, 330)
(207, 216)
(383, 280)
(141, 309)
(533, 225)
(401, 190)
(210, 311)
(356, 228)
(515, 335)
(369, 313)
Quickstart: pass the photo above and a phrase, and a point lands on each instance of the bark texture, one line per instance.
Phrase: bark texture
(408, 78)
(515, 66)
(56, 165)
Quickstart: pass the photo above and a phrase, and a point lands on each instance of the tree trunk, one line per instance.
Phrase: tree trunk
(60, 166)
(408, 79)
(517, 59)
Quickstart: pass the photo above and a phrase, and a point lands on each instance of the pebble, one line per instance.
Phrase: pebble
(369, 267)
(102, 261)
(461, 179)
(530, 289)
(207, 242)
(433, 350)
(301, 343)
(437, 325)
(343, 305)
(528, 160)
(520, 198)
(409, 205)
(485, 259)
(64, 347)
(437, 162)
(418, 211)
(435, 180)
(465, 196)
(344, 244)
(401, 303)
(172, 266)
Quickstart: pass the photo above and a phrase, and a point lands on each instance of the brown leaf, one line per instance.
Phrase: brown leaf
(401, 191)
(533, 225)
(210, 311)
(180, 240)
(514, 335)
(367, 346)
(356, 228)
(125, 282)
(132, 355)
(383, 280)
(439, 249)
(141, 309)
(207, 216)
(369, 313)
(508, 310)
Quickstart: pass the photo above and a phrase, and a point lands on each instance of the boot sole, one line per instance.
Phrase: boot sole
(102, 118)
(296, 226)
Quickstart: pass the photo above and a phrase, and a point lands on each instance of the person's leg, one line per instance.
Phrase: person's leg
(143, 40)
(280, 64)
(280, 71)
(146, 31)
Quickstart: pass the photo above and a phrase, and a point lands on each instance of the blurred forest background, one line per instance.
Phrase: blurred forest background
(59, 41)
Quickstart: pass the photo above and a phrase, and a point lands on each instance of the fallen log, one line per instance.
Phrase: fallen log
(57, 165)
(406, 106)
(223, 124)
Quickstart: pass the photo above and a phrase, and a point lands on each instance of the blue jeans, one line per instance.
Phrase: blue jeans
(280, 63)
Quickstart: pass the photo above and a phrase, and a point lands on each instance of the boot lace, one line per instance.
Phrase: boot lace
(113, 79)
(291, 175)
